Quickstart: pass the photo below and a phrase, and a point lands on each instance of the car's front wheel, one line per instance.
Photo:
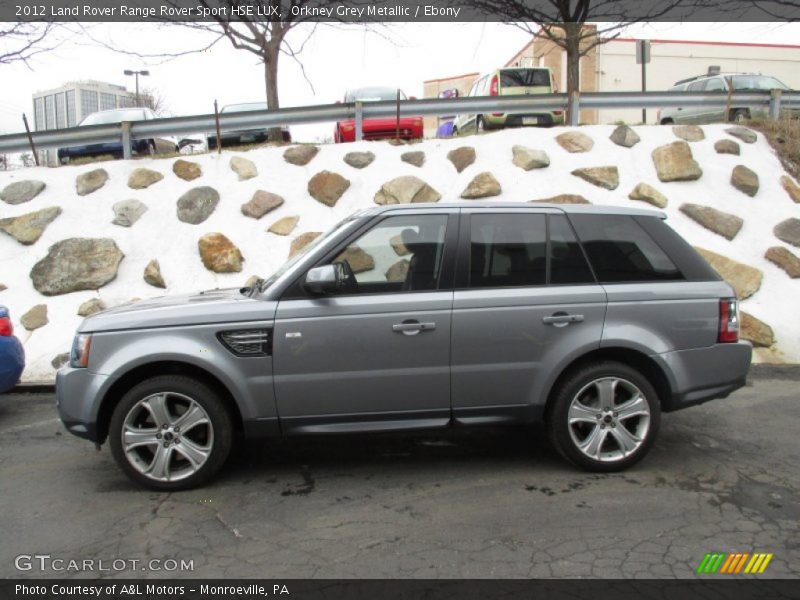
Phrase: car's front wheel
(604, 416)
(170, 433)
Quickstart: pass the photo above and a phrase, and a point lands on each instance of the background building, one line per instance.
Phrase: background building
(611, 67)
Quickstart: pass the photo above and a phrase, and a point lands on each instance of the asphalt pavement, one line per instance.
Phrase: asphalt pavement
(722, 477)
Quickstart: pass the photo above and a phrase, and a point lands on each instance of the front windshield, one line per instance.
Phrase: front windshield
(373, 94)
(114, 116)
(265, 283)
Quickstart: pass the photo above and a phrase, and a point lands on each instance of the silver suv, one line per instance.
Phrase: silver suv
(592, 319)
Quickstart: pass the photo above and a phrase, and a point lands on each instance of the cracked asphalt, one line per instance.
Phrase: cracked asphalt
(486, 503)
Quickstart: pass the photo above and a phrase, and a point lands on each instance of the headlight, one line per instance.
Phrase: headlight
(79, 355)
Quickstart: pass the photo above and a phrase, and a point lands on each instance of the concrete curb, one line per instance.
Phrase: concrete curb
(760, 371)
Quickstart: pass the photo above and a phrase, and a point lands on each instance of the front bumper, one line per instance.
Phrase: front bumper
(704, 374)
(78, 395)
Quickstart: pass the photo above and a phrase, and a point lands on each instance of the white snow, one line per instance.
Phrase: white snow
(159, 234)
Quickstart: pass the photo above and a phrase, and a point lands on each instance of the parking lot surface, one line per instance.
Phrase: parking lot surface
(487, 503)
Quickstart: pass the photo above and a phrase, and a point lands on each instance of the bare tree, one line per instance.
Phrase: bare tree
(154, 100)
(564, 22)
(20, 41)
(26, 159)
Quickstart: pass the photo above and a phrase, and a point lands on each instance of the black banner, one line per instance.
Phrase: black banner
(712, 588)
(387, 11)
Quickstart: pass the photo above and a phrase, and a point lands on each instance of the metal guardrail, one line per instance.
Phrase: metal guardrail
(775, 100)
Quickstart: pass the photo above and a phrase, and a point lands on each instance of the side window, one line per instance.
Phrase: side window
(697, 86)
(507, 250)
(567, 263)
(398, 254)
(715, 85)
(621, 251)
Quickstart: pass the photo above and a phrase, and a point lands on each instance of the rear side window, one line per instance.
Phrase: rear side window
(524, 77)
(620, 250)
(508, 250)
(567, 262)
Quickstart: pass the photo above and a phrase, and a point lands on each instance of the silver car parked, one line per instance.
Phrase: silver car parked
(594, 320)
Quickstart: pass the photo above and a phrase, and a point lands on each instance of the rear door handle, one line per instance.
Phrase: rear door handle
(412, 327)
(561, 319)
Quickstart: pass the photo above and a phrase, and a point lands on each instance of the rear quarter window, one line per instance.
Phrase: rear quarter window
(620, 250)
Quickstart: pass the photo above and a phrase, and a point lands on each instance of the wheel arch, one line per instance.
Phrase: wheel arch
(153, 369)
(633, 358)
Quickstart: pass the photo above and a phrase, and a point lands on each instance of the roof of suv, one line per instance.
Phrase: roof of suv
(567, 208)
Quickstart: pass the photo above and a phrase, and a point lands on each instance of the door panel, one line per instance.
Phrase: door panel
(342, 356)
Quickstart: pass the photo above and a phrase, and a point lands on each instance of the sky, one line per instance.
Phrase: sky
(334, 59)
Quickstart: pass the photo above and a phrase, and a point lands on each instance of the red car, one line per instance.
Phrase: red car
(377, 129)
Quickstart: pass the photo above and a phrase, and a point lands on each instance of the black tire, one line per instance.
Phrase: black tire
(480, 124)
(178, 387)
(150, 149)
(739, 115)
(667, 122)
(582, 383)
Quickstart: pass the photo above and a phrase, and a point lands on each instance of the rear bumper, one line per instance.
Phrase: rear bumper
(543, 119)
(77, 395)
(12, 362)
(704, 374)
(381, 129)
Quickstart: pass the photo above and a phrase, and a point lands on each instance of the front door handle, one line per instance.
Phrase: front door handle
(560, 319)
(412, 327)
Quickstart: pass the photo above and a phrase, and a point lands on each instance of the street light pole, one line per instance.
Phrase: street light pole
(136, 74)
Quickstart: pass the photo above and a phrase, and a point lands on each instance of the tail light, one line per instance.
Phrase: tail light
(558, 112)
(6, 328)
(494, 91)
(728, 321)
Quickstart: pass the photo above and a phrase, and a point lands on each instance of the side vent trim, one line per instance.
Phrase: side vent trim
(247, 342)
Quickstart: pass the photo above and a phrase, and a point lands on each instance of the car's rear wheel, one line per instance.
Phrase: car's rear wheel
(170, 433)
(604, 416)
(480, 124)
(739, 115)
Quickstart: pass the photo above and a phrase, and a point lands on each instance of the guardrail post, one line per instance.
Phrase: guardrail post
(775, 104)
(574, 108)
(359, 121)
(126, 140)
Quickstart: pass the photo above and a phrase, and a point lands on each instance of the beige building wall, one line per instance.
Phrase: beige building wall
(434, 87)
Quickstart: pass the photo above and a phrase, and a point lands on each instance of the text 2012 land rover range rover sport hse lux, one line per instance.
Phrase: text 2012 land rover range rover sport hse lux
(593, 319)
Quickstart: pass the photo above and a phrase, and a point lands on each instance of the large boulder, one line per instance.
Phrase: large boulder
(284, 226)
(35, 317)
(243, 167)
(143, 178)
(563, 199)
(791, 188)
(674, 162)
(187, 170)
(624, 136)
(398, 271)
(785, 259)
(461, 157)
(575, 141)
(528, 158)
(152, 275)
(406, 189)
(196, 205)
(327, 187)
(743, 133)
(398, 246)
(725, 224)
(261, 203)
(59, 360)
(727, 147)
(359, 260)
(746, 280)
(91, 306)
(788, 231)
(21, 191)
(744, 180)
(483, 185)
(416, 158)
(604, 177)
(127, 212)
(649, 194)
(28, 228)
(302, 240)
(690, 133)
(86, 183)
(76, 264)
(219, 254)
(756, 331)
(300, 155)
(359, 160)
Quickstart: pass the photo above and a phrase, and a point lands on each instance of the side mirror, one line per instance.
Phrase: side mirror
(321, 280)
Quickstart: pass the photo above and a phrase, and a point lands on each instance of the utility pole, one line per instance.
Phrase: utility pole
(642, 58)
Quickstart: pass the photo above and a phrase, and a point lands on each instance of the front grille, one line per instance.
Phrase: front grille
(247, 342)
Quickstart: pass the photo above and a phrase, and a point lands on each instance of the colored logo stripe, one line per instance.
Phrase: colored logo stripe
(734, 563)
